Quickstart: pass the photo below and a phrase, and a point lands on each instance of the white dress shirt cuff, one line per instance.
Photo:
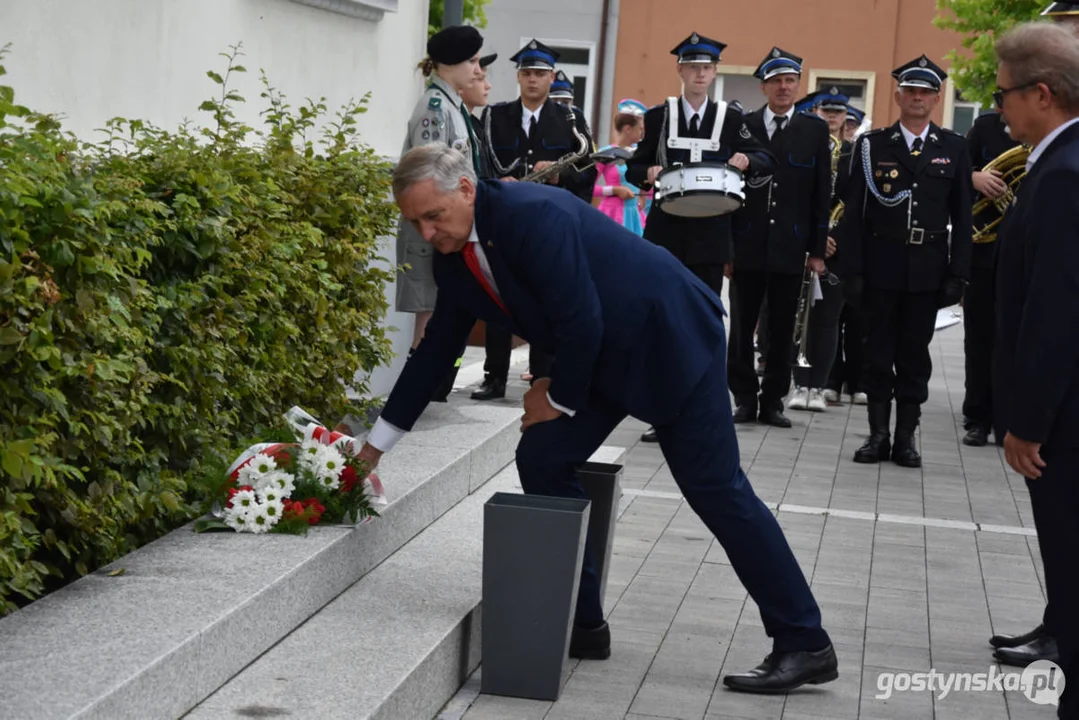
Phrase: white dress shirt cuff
(563, 410)
(385, 435)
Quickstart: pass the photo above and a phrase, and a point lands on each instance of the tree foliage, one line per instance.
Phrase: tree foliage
(474, 14)
(980, 22)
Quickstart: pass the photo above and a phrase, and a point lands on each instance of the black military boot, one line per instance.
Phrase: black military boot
(906, 423)
(877, 447)
(492, 389)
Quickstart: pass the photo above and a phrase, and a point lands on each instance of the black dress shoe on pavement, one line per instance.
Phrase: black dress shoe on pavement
(976, 437)
(745, 414)
(774, 417)
(490, 390)
(594, 644)
(1042, 648)
(999, 641)
(650, 436)
(782, 672)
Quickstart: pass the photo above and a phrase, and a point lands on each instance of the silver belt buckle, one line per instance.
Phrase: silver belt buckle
(918, 233)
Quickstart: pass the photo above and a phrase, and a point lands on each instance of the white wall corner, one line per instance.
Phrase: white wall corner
(372, 10)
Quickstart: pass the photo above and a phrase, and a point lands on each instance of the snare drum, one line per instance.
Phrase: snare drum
(704, 189)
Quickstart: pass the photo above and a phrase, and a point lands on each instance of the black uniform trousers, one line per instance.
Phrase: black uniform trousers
(849, 359)
(1055, 502)
(822, 338)
(899, 329)
(782, 290)
(498, 343)
(979, 320)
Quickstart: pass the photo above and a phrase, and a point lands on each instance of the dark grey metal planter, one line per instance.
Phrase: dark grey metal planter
(602, 485)
(533, 548)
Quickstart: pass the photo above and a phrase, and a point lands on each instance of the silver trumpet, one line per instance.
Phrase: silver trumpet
(801, 320)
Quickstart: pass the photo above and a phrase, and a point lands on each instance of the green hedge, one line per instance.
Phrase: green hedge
(165, 295)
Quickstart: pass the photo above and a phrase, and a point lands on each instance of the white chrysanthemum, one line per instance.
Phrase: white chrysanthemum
(329, 482)
(281, 482)
(260, 466)
(274, 509)
(260, 521)
(310, 450)
(243, 501)
(331, 463)
(236, 518)
(269, 494)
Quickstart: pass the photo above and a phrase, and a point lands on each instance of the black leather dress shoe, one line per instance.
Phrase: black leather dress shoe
(592, 644)
(774, 417)
(745, 414)
(490, 390)
(782, 672)
(1042, 648)
(976, 437)
(999, 641)
(650, 436)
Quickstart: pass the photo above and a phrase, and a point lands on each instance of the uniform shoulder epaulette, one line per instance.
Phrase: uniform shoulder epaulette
(812, 116)
(873, 132)
(953, 133)
(500, 106)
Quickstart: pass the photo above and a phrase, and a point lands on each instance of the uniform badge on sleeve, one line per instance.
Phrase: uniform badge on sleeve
(744, 132)
(459, 145)
(434, 103)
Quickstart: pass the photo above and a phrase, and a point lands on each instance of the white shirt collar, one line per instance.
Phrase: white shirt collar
(527, 115)
(770, 119)
(1046, 141)
(908, 136)
(474, 236)
(689, 112)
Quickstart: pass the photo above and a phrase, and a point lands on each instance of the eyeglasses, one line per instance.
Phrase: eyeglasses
(999, 93)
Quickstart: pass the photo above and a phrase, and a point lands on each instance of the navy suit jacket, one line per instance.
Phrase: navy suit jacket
(1036, 373)
(622, 317)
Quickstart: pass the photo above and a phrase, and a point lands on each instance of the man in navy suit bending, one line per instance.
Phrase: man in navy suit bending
(633, 333)
(1036, 354)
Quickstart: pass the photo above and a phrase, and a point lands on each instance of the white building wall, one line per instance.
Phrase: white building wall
(91, 60)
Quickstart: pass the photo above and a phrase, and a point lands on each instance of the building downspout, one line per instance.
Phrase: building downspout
(597, 91)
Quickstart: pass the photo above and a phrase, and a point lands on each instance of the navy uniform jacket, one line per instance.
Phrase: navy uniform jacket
(622, 317)
(904, 245)
(553, 139)
(1036, 359)
(695, 241)
(785, 214)
(986, 140)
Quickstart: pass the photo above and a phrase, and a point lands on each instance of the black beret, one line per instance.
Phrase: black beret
(454, 44)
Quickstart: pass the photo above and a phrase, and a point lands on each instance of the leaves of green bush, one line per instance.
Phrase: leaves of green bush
(163, 296)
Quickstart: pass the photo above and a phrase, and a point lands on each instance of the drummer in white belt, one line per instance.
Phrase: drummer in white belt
(703, 244)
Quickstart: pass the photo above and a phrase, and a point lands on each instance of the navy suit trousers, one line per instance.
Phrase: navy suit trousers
(1055, 500)
(701, 450)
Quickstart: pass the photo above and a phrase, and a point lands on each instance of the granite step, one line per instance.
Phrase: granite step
(191, 611)
(397, 645)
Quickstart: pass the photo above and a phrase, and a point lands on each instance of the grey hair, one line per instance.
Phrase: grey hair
(1043, 52)
(436, 161)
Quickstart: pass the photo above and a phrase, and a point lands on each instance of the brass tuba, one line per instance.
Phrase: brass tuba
(988, 212)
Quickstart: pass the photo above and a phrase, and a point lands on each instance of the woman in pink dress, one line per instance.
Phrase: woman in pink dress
(619, 199)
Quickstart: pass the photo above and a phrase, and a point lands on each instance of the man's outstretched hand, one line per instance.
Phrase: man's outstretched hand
(537, 407)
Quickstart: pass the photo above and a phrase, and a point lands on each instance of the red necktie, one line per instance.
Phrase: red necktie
(473, 263)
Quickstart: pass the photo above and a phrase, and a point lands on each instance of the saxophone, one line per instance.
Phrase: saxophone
(584, 148)
(837, 209)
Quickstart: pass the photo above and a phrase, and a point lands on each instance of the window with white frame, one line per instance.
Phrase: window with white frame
(729, 87)
(855, 90)
(964, 113)
(576, 59)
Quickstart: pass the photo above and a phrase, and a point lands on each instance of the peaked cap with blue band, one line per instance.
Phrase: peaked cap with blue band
(806, 104)
(832, 99)
(562, 87)
(698, 49)
(855, 115)
(778, 62)
(921, 72)
(535, 56)
(630, 106)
